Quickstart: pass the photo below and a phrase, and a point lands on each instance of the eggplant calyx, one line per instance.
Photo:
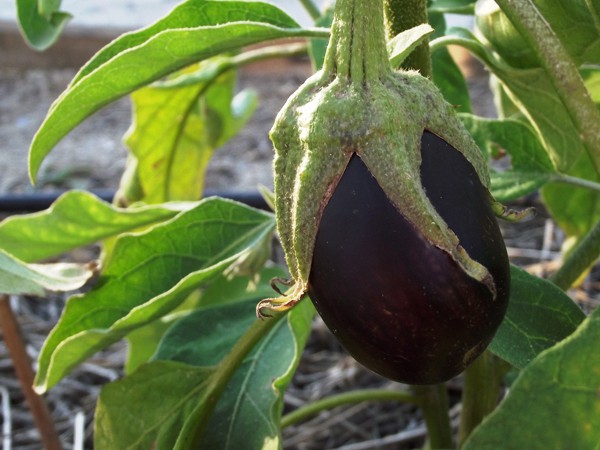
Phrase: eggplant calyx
(510, 215)
(475, 270)
(286, 301)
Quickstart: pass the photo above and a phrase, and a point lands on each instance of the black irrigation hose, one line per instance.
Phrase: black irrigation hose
(38, 201)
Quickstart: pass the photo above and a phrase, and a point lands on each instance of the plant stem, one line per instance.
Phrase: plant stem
(434, 404)
(312, 9)
(480, 394)
(357, 50)
(22, 365)
(196, 424)
(579, 259)
(576, 181)
(561, 70)
(402, 15)
(363, 395)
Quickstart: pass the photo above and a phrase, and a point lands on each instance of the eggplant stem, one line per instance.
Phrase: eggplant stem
(13, 339)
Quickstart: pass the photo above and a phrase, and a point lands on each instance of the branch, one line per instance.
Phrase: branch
(22, 365)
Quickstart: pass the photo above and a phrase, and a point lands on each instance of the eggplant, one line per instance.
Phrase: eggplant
(384, 211)
(400, 305)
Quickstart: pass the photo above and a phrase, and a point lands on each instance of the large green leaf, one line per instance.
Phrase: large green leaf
(191, 14)
(539, 315)
(144, 341)
(178, 126)
(147, 276)
(554, 403)
(575, 209)
(247, 412)
(76, 218)
(41, 22)
(205, 336)
(531, 91)
(130, 413)
(159, 55)
(576, 24)
(531, 167)
(17, 277)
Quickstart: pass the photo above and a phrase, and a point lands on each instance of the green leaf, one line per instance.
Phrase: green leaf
(591, 77)
(147, 276)
(190, 14)
(248, 410)
(144, 341)
(75, 219)
(452, 6)
(404, 43)
(318, 47)
(539, 315)
(178, 126)
(531, 91)
(205, 336)
(575, 209)
(516, 138)
(553, 404)
(574, 23)
(131, 412)
(514, 184)
(40, 21)
(48, 7)
(445, 73)
(167, 51)
(531, 166)
(17, 277)
(248, 414)
(242, 288)
(498, 30)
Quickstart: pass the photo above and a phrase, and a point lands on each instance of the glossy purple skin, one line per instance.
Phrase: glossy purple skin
(400, 306)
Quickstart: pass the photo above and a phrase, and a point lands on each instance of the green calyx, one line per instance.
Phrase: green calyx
(353, 107)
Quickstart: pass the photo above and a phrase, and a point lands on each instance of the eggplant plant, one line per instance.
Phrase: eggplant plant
(386, 203)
